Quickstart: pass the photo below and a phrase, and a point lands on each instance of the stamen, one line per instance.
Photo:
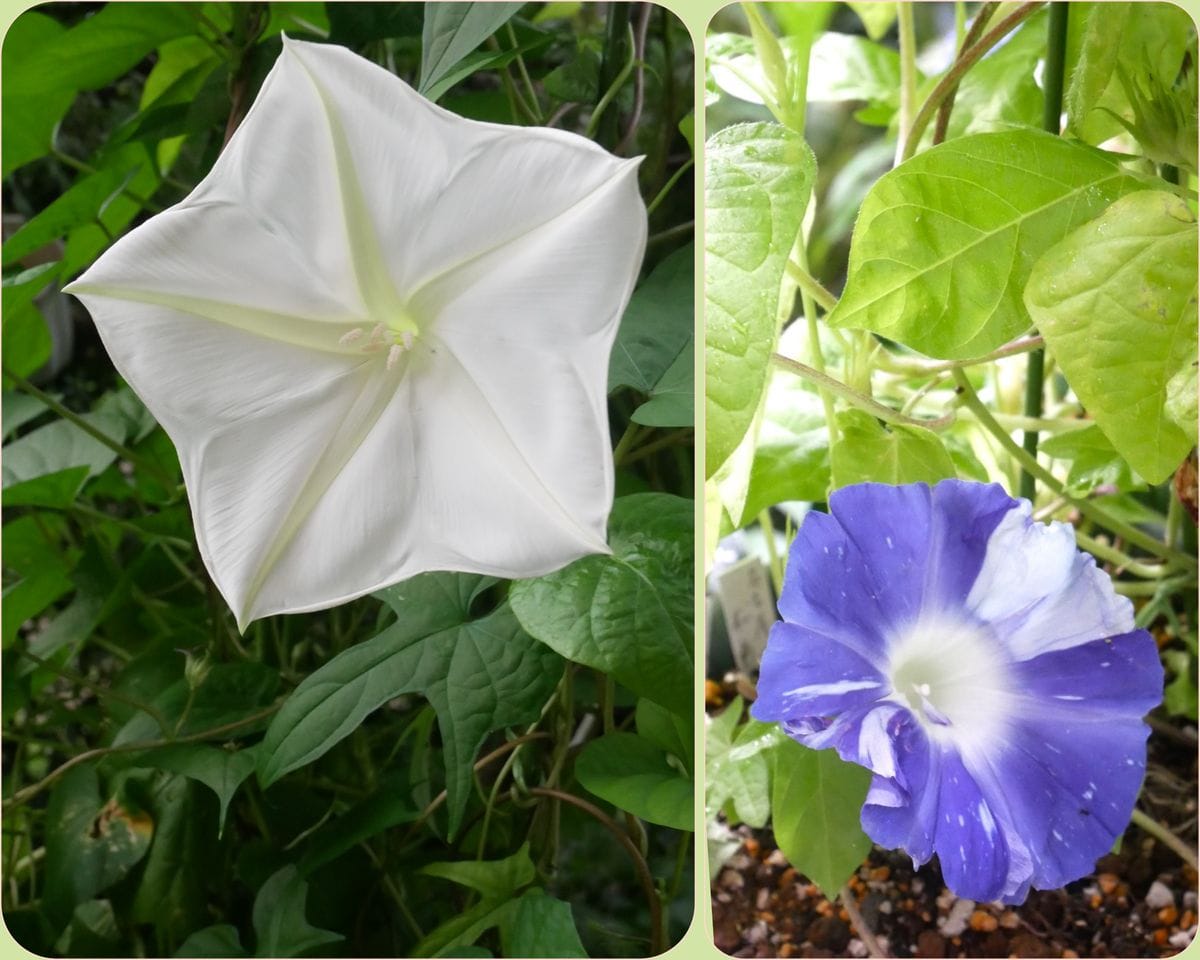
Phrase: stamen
(407, 337)
(394, 354)
(351, 336)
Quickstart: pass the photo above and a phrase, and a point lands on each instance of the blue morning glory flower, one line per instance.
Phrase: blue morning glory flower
(980, 666)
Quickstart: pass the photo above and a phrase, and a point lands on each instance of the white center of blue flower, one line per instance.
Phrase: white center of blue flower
(952, 677)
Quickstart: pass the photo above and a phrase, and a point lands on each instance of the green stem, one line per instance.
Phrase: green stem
(856, 399)
(958, 70)
(1089, 509)
(814, 336)
(776, 568)
(1122, 561)
(99, 435)
(1055, 69)
(908, 72)
(662, 194)
(613, 89)
(1035, 368)
(524, 73)
(812, 286)
(625, 444)
(1161, 833)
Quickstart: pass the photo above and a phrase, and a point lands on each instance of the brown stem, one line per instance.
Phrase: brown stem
(859, 923)
(977, 25)
(639, 77)
(954, 75)
(34, 789)
(657, 944)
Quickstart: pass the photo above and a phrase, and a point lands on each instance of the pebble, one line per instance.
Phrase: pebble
(955, 922)
(930, 944)
(1009, 920)
(1182, 938)
(763, 899)
(983, 921)
(1159, 895)
(857, 948)
(885, 907)
(1108, 883)
(1168, 915)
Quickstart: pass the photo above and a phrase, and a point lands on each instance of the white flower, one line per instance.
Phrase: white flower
(378, 335)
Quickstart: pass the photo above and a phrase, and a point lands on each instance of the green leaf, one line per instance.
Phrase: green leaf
(1116, 302)
(633, 774)
(92, 931)
(17, 409)
(22, 288)
(1180, 694)
(666, 730)
(670, 403)
(55, 490)
(657, 327)
(758, 178)
(222, 771)
(228, 693)
(280, 917)
(628, 614)
(90, 843)
(540, 926)
(1002, 90)
(1143, 38)
(385, 808)
(59, 446)
(494, 879)
(1183, 400)
(870, 450)
(219, 940)
(353, 26)
(464, 929)
(27, 117)
(171, 890)
(1094, 462)
(577, 80)
(845, 67)
(30, 596)
(26, 338)
(944, 244)
(103, 46)
(480, 674)
(454, 30)
(791, 460)
(81, 204)
(740, 779)
(816, 798)
(876, 17)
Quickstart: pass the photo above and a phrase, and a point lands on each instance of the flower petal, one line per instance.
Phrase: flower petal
(494, 496)
(902, 811)
(805, 674)
(1119, 676)
(215, 261)
(970, 847)
(578, 268)
(1055, 597)
(448, 190)
(1065, 788)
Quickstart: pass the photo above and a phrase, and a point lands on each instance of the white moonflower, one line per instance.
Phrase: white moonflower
(378, 335)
